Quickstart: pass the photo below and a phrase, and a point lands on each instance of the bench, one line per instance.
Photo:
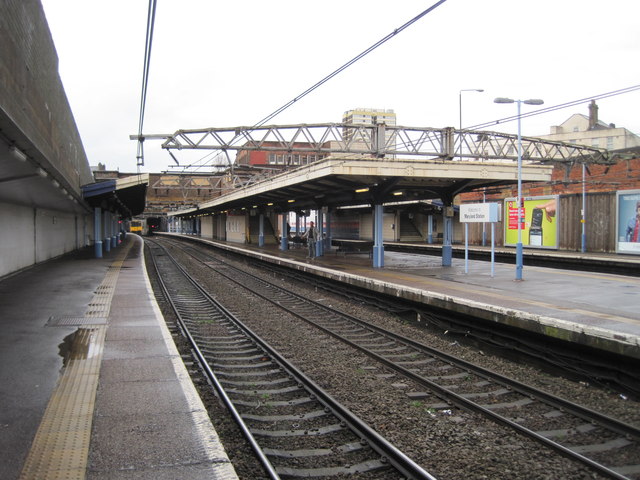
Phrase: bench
(352, 246)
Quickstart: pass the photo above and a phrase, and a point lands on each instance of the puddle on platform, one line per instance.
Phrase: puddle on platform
(79, 345)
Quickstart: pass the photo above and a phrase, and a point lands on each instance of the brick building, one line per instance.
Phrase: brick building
(279, 159)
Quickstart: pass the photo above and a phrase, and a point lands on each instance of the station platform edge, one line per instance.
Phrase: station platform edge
(587, 308)
(105, 393)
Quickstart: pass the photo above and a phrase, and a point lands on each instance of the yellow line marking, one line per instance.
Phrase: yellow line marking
(60, 449)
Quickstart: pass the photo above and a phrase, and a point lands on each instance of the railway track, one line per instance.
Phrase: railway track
(605, 445)
(294, 427)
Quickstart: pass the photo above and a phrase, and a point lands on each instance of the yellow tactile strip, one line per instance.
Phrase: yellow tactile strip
(60, 448)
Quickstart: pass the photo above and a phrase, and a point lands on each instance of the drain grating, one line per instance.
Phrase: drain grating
(70, 321)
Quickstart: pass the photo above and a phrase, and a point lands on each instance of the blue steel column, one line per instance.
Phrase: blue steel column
(109, 230)
(320, 227)
(97, 232)
(114, 230)
(261, 230)
(430, 229)
(378, 246)
(327, 241)
(105, 233)
(447, 233)
(284, 242)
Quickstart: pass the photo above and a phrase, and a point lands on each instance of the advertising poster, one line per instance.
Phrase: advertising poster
(628, 221)
(540, 226)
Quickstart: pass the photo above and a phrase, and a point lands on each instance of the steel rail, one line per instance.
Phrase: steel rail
(377, 442)
(556, 402)
(262, 458)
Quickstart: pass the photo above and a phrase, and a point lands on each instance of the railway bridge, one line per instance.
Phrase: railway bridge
(373, 165)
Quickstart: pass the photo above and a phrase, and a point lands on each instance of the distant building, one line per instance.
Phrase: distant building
(277, 160)
(592, 132)
(369, 116)
(282, 159)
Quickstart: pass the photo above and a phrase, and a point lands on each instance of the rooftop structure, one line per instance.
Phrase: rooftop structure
(591, 131)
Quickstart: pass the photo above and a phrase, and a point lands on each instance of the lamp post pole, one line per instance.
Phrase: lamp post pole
(519, 259)
(460, 108)
(519, 202)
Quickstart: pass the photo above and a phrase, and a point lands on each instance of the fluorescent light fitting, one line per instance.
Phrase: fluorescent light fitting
(290, 201)
(361, 190)
(18, 154)
(41, 172)
(397, 194)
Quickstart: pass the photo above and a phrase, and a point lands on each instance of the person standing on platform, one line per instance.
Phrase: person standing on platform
(312, 237)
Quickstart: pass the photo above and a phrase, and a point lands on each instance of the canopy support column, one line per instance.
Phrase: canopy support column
(378, 245)
(97, 231)
(261, 230)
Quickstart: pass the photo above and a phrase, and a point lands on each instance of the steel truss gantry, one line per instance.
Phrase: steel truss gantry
(381, 141)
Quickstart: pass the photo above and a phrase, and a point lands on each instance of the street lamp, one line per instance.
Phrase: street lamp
(460, 107)
(519, 202)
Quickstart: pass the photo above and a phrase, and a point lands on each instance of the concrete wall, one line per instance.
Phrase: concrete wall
(35, 116)
(17, 238)
(366, 227)
(237, 228)
(32, 96)
(31, 235)
(55, 234)
(206, 226)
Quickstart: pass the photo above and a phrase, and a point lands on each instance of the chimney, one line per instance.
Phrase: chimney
(593, 115)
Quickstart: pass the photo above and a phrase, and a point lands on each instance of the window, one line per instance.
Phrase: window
(595, 142)
(609, 143)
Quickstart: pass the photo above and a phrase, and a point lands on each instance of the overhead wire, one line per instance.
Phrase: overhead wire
(151, 16)
(550, 109)
(349, 63)
(553, 108)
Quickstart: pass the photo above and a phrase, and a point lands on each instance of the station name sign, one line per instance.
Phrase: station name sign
(479, 212)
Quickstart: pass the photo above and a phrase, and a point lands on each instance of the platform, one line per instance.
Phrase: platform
(92, 385)
(588, 308)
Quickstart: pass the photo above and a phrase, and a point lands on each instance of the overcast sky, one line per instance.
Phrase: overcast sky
(226, 64)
